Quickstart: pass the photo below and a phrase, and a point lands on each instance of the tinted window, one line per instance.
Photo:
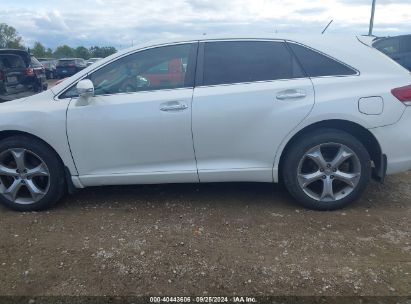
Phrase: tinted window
(12, 61)
(316, 64)
(154, 69)
(388, 46)
(406, 44)
(135, 72)
(247, 61)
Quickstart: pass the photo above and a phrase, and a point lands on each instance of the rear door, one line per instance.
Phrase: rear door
(249, 96)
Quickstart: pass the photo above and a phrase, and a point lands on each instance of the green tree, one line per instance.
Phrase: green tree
(64, 51)
(96, 51)
(49, 53)
(9, 37)
(82, 52)
(38, 50)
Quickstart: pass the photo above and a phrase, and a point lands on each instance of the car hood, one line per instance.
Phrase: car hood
(37, 101)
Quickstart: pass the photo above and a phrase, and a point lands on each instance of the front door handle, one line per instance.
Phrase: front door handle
(173, 106)
(291, 94)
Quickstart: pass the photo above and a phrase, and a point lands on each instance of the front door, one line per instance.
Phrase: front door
(136, 129)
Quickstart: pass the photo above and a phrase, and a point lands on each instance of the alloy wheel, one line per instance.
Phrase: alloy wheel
(24, 176)
(329, 172)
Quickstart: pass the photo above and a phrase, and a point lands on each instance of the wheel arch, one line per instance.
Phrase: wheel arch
(10, 133)
(359, 132)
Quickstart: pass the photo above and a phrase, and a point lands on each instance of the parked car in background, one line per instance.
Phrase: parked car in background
(21, 72)
(92, 60)
(398, 48)
(69, 66)
(50, 66)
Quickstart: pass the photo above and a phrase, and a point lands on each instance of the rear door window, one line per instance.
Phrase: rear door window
(229, 62)
(316, 64)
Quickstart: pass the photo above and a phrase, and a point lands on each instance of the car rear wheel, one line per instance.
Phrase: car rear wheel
(326, 169)
(31, 175)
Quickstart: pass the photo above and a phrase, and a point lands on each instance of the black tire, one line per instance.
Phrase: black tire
(37, 87)
(57, 183)
(297, 152)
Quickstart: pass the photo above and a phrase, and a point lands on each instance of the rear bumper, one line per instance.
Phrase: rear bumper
(395, 142)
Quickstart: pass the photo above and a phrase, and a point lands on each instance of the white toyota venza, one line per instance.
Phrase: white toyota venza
(321, 114)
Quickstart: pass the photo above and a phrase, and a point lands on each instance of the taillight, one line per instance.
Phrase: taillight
(29, 72)
(403, 94)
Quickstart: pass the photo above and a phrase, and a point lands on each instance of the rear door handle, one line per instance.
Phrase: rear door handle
(173, 106)
(291, 94)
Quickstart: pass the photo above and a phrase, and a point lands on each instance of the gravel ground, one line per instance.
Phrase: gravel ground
(210, 239)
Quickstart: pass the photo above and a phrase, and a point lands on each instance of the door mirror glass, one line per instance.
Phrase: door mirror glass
(85, 88)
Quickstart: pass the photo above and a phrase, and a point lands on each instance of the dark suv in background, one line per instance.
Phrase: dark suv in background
(69, 66)
(20, 71)
(398, 48)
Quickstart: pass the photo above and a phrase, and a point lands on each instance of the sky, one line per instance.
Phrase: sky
(122, 23)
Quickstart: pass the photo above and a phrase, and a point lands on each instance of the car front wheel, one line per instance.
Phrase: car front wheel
(326, 169)
(31, 175)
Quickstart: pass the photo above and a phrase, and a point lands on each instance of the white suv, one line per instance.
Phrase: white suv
(303, 110)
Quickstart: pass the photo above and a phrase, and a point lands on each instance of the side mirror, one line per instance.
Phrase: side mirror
(85, 90)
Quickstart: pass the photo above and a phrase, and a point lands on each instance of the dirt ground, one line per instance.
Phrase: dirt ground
(210, 239)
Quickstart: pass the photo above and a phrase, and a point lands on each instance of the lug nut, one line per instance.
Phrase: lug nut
(321, 170)
(324, 177)
(334, 170)
(332, 176)
(328, 166)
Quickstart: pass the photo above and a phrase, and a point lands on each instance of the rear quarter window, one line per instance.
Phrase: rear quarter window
(406, 44)
(316, 64)
(388, 45)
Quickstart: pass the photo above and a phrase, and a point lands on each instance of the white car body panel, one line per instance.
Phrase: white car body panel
(395, 140)
(226, 119)
(233, 138)
(41, 116)
(127, 134)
